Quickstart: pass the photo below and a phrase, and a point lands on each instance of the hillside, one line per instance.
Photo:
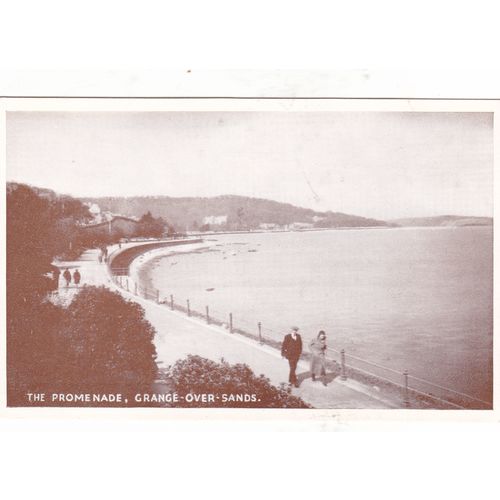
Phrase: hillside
(241, 212)
(48, 194)
(444, 220)
(63, 205)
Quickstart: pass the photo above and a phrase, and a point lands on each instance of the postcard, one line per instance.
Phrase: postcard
(295, 257)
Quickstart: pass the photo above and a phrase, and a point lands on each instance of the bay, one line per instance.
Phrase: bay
(416, 299)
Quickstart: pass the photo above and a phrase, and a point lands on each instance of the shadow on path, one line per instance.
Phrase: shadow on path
(326, 379)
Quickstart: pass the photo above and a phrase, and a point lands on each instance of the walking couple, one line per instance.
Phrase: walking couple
(76, 277)
(291, 349)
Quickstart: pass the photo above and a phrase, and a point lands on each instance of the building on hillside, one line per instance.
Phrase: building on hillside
(318, 218)
(215, 220)
(297, 226)
(94, 208)
(268, 226)
(117, 225)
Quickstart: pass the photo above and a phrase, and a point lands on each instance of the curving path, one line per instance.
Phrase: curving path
(120, 259)
(177, 335)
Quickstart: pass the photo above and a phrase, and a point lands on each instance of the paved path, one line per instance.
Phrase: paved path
(178, 336)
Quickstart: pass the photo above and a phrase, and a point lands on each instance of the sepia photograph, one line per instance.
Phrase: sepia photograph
(267, 254)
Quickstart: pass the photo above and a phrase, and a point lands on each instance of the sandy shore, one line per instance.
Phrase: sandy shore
(141, 267)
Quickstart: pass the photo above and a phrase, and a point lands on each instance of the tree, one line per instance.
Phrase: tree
(33, 240)
(31, 244)
(150, 226)
(38, 229)
(67, 207)
(34, 362)
(230, 383)
(100, 343)
(240, 213)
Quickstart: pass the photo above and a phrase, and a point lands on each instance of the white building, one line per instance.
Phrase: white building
(215, 220)
(268, 225)
(94, 208)
(300, 225)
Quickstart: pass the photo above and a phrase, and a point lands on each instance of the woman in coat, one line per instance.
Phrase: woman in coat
(317, 347)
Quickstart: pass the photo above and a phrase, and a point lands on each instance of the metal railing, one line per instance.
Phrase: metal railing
(413, 391)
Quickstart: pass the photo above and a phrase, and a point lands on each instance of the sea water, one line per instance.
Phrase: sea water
(416, 299)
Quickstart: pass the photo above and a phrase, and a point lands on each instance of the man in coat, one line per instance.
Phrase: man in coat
(67, 276)
(291, 349)
(77, 277)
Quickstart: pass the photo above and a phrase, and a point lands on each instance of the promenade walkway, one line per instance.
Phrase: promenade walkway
(178, 335)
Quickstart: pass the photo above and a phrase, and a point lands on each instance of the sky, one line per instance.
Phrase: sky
(384, 165)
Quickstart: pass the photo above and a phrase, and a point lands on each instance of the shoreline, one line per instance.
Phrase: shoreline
(340, 228)
(138, 268)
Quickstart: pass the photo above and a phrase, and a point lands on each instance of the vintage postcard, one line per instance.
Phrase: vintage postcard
(309, 257)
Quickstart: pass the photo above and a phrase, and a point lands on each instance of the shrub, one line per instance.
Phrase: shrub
(109, 343)
(197, 375)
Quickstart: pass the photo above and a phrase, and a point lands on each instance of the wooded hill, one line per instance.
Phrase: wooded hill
(242, 212)
(444, 220)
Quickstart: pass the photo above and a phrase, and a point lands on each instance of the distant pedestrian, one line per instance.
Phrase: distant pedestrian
(77, 277)
(291, 349)
(55, 278)
(317, 347)
(67, 276)
(104, 251)
(100, 256)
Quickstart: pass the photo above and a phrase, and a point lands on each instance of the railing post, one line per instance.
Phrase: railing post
(157, 296)
(188, 308)
(127, 283)
(135, 287)
(407, 394)
(208, 316)
(171, 302)
(230, 322)
(259, 325)
(342, 365)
